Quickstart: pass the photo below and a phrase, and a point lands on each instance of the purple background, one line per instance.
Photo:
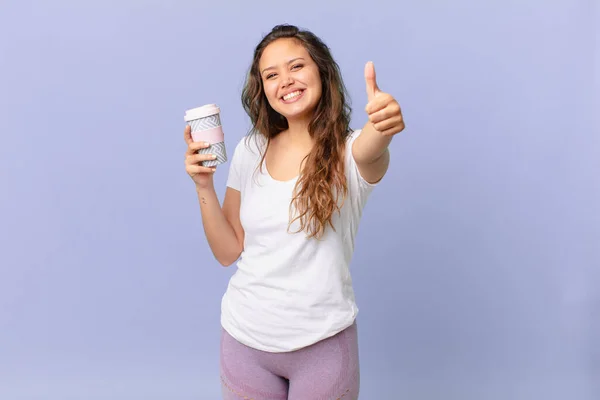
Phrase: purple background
(477, 262)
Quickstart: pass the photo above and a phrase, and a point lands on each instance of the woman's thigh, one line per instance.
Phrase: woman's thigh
(244, 374)
(327, 370)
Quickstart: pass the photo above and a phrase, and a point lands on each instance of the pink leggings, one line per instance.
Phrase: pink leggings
(327, 370)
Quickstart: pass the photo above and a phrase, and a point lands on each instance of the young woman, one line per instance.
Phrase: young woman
(296, 189)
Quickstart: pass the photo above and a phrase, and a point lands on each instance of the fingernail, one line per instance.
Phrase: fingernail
(213, 156)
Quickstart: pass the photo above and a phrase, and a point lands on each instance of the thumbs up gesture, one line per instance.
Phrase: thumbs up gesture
(383, 110)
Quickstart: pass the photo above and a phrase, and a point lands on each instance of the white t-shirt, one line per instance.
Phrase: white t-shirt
(288, 291)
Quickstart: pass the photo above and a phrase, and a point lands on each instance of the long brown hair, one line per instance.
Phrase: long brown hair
(323, 180)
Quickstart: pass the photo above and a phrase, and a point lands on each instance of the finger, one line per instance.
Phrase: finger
(389, 111)
(198, 158)
(390, 127)
(193, 147)
(198, 169)
(187, 134)
(371, 81)
(379, 116)
(380, 102)
(385, 125)
(393, 131)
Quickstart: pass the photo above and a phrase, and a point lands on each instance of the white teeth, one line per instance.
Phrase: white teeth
(292, 95)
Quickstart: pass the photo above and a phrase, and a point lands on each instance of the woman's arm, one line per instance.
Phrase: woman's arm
(370, 149)
(222, 225)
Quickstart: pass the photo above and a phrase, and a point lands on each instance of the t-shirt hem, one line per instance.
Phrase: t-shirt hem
(256, 346)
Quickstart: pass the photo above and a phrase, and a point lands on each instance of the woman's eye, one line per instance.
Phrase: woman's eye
(270, 76)
(297, 66)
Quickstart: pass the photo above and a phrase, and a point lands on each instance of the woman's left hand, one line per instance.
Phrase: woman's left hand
(383, 110)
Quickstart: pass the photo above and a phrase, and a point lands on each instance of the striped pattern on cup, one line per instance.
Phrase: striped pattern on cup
(210, 123)
(218, 149)
(202, 124)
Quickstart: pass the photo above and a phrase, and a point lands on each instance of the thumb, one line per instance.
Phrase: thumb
(371, 80)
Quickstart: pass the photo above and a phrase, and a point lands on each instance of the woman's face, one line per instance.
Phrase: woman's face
(290, 78)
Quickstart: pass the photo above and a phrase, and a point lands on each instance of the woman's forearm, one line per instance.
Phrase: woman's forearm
(220, 234)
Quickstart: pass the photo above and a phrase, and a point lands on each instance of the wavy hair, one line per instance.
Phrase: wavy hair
(322, 180)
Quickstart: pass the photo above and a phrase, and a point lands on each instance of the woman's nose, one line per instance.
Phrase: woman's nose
(286, 80)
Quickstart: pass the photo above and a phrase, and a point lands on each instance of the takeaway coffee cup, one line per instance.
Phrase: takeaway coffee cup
(205, 123)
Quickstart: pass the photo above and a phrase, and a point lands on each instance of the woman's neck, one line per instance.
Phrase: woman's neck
(296, 135)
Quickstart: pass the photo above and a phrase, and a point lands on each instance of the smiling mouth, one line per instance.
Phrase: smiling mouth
(291, 97)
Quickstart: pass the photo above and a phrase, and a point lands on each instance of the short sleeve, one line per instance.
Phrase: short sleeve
(234, 179)
(358, 188)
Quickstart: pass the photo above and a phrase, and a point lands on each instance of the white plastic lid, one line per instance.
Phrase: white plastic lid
(201, 112)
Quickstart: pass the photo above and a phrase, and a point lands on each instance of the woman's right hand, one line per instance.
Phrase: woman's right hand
(202, 176)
